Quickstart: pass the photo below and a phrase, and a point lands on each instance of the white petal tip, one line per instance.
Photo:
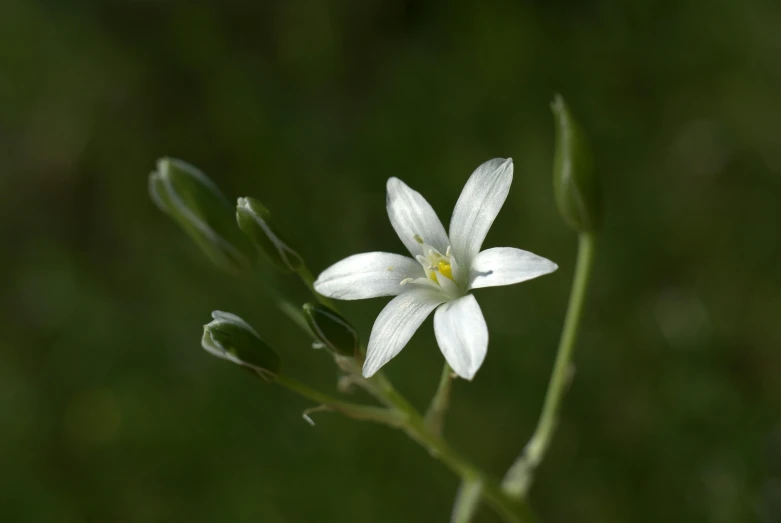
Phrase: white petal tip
(469, 376)
(322, 290)
(506, 163)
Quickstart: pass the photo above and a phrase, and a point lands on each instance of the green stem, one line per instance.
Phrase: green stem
(467, 500)
(512, 510)
(384, 389)
(309, 280)
(521, 474)
(283, 303)
(404, 417)
(381, 415)
(435, 415)
(295, 315)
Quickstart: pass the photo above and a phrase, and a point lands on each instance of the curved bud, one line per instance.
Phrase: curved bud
(255, 220)
(574, 183)
(230, 338)
(194, 202)
(331, 329)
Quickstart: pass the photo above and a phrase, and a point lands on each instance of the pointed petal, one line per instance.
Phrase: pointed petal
(462, 335)
(426, 282)
(411, 215)
(396, 324)
(448, 286)
(459, 275)
(367, 275)
(506, 266)
(477, 207)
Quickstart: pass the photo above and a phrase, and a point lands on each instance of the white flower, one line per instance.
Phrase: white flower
(440, 274)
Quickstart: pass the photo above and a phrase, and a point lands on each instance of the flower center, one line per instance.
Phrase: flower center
(439, 269)
(445, 269)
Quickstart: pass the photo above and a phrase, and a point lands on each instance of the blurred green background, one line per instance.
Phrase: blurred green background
(111, 412)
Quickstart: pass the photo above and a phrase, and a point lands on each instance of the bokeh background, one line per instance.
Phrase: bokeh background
(111, 412)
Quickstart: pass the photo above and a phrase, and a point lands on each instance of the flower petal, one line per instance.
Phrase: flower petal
(448, 286)
(462, 335)
(396, 324)
(506, 266)
(411, 215)
(367, 275)
(459, 274)
(477, 207)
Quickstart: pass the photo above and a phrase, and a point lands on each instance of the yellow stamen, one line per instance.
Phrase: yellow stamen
(444, 269)
(433, 276)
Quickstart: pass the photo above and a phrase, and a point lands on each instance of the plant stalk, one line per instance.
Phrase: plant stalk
(435, 415)
(308, 279)
(391, 417)
(403, 416)
(519, 477)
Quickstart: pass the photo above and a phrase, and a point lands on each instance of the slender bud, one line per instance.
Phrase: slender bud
(229, 337)
(194, 202)
(255, 220)
(574, 182)
(331, 329)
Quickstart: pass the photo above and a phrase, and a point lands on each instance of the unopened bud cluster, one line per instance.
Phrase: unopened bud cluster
(231, 237)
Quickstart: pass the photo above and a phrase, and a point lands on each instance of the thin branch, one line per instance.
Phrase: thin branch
(390, 417)
(435, 415)
(521, 474)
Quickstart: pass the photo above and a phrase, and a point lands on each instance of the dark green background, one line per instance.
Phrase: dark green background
(111, 412)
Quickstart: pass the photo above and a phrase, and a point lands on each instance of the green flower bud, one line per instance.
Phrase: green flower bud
(229, 337)
(331, 329)
(574, 183)
(255, 220)
(194, 202)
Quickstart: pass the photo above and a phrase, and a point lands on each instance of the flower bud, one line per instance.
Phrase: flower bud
(197, 205)
(255, 220)
(229, 337)
(331, 329)
(574, 183)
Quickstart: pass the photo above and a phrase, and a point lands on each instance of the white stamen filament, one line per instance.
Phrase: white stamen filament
(437, 267)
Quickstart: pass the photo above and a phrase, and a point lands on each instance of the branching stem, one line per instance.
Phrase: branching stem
(401, 415)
